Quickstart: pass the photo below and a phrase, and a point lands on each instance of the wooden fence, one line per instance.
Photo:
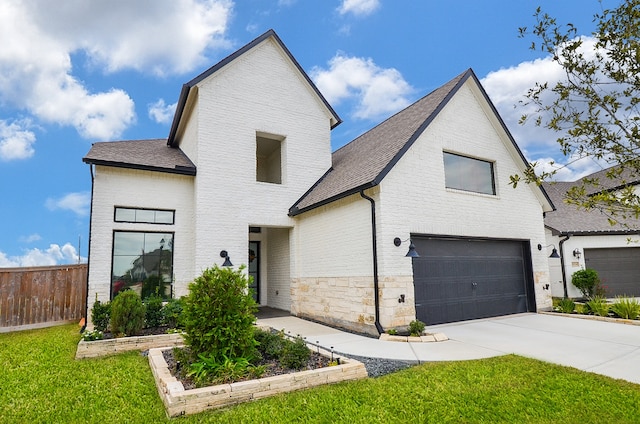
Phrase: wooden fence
(36, 296)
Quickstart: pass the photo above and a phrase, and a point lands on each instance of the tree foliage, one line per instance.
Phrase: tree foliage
(595, 109)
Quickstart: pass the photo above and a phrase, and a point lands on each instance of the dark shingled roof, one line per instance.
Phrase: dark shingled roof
(363, 162)
(568, 219)
(149, 155)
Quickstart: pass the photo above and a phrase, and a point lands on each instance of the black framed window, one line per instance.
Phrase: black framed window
(145, 216)
(469, 174)
(143, 262)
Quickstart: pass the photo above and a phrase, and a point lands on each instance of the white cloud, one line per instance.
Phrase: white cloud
(16, 142)
(54, 255)
(30, 238)
(359, 7)
(75, 202)
(507, 89)
(160, 112)
(158, 37)
(377, 91)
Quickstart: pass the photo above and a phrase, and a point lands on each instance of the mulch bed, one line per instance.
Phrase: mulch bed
(273, 367)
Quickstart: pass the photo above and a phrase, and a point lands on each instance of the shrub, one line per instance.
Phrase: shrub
(172, 313)
(566, 306)
(416, 328)
(101, 314)
(212, 371)
(582, 309)
(127, 314)
(625, 307)
(598, 305)
(91, 335)
(586, 280)
(153, 312)
(270, 344)
(219, 316)
(295, 354)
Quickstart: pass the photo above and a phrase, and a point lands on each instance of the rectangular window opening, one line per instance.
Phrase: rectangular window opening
(144, 216)
(269, 158)
(142, 262)
(469, 174)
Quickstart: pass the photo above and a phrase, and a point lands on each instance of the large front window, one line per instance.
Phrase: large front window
(468, 174)
(143, 262)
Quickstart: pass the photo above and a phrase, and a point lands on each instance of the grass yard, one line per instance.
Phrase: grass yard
(41, 382)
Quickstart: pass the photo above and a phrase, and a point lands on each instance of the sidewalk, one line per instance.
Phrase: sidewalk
(606, 348)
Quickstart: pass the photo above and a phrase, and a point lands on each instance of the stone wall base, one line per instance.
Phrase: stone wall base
(111, 346)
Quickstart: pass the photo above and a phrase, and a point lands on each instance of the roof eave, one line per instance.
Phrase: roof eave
(294, 210)
(180, 170)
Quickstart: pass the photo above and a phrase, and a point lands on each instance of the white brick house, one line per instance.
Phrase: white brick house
(247, 169)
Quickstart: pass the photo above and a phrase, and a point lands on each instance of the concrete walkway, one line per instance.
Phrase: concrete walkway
(605, 348)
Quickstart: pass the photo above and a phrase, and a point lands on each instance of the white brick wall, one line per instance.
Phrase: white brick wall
(139, 189)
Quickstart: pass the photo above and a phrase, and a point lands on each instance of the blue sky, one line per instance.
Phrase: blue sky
(76, 72)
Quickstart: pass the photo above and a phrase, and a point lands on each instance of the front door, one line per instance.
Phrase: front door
(254, 269)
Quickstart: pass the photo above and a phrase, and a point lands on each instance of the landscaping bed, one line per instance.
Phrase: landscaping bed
(180, 401)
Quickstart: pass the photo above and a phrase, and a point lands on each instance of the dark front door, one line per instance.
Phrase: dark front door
(460, 279)
(254, 269)
(618, 269)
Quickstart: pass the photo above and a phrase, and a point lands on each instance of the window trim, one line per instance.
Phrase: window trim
(491, 163)
(115, 214)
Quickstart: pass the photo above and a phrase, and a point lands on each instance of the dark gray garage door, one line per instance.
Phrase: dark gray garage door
(618, 268)
(461, 279)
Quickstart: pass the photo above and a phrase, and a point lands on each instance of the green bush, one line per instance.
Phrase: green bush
(172, 313)
(101, 314)
(127, 314)
(598, 305)
(153, 312)
(219, 314)
(416, 328)
(566, 306)
(295, 354)
(586, 280)
(625, 307)
(270, 344)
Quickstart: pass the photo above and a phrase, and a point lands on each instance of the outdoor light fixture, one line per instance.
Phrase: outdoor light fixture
(225, 255)
(577, 253)
(554, 252)
(412, 248)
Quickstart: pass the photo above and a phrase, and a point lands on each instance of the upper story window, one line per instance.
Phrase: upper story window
(269, 158)
(468, 174)
(146, 216)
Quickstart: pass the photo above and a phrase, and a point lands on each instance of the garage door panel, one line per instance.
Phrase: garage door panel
(461, 279)
(618, 268)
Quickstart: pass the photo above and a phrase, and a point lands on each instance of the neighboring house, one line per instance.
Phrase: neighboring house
(588, 239)
(247, 173)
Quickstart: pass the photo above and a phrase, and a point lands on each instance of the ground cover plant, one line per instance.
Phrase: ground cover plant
(41, 382)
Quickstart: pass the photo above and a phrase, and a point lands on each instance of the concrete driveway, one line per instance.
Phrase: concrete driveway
(611, 349)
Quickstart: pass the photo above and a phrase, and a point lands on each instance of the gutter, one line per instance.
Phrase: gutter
(564, 273)
(376, 297)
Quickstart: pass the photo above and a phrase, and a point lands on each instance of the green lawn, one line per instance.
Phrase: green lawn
(41, 382)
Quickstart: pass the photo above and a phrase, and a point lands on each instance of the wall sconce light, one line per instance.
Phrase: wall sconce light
(554, 252)
(412, 248)
(225, 255)
(401, 299)
(577, 253)
(545, 287)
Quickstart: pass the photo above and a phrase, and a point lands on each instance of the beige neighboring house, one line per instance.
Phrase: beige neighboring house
(588, 239)
(246, 176)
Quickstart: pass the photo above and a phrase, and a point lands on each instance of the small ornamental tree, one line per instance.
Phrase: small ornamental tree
(219, 313)
(586, 280)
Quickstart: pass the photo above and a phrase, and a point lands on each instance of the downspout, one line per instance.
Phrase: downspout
(86, 312)
(564, 276)
(376, 297)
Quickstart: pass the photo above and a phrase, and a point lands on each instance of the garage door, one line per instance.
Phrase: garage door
(618, 268)
(461, 279)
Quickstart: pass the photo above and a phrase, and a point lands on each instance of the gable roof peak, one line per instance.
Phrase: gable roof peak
(269, 34)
